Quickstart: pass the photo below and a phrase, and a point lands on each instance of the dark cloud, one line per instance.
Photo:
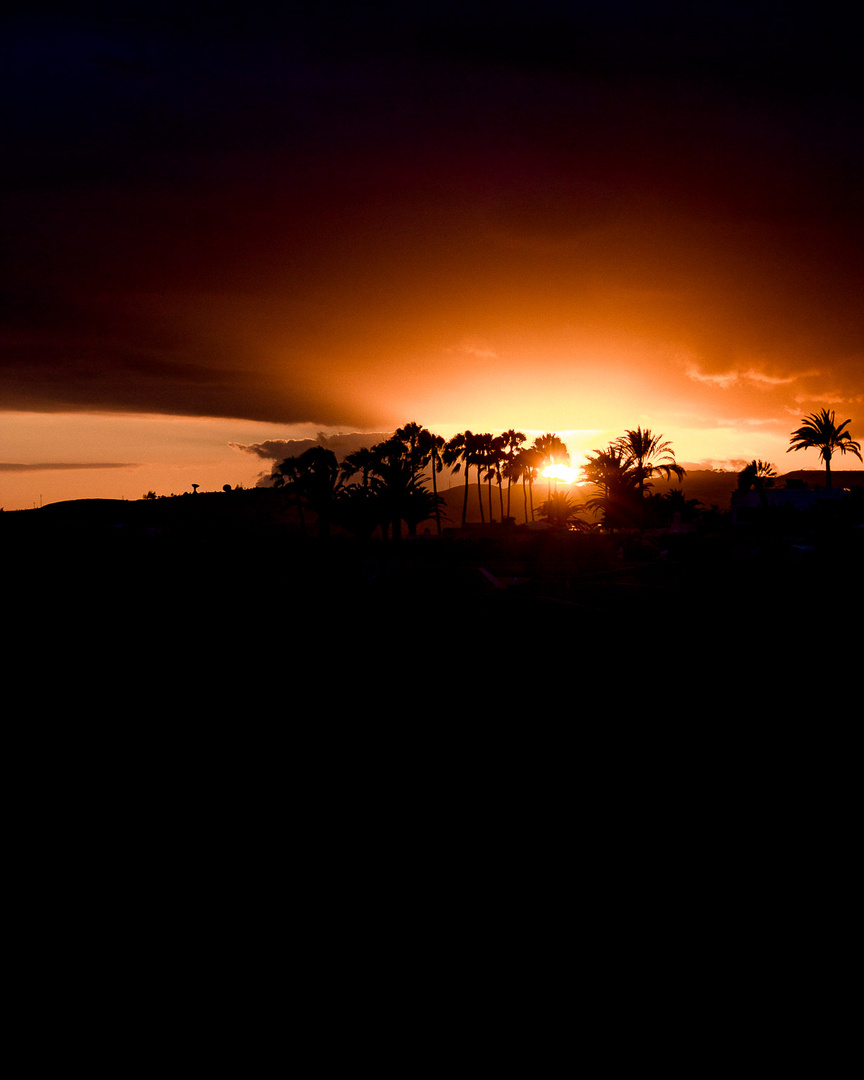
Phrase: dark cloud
(54, 466)
(292, 217)
(276, 450)
(342, 444)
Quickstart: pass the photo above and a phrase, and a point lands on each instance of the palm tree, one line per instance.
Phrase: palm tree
(757, 475)
(431, 449)
(490, 455)
(663, 508)
(639, 447)
(552, 451)
(413, 438)
(362, 461)
(617, 497)
(561, 513)
(358, 510)
(512, 443)
(819, 431)
(483, 459)
(313, 478)
(459, 451)
(513, 473)
(418, 504)
(526, 463)
(392, 475)
(286, 475)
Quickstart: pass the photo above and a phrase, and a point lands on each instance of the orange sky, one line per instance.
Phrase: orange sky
(231, 231)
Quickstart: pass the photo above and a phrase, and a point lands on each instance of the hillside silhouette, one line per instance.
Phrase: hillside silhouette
(201, 575)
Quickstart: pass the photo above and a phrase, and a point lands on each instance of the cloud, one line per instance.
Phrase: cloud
(341, 444)
(771, 380)
(7, 466)
(726, 379)
(477, 348)
(275, 449)
(829, 397)
(294, 222)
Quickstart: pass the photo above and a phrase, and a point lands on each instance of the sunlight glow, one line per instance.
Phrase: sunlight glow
(564, 473)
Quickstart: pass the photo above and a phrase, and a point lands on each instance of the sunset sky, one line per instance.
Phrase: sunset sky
(225, 227)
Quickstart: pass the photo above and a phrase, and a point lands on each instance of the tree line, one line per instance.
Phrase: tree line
(396, 481)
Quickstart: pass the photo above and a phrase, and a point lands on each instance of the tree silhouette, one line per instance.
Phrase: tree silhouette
(435, 446)
(663, 508)
(493, 455)
(286, 476)
(757, 475)
(526, 465)
(357, 510)
(551, 451)
(411, 436)
(757, 472)
(488, 451)
(820, 432)
(460, 452)
(359, 461)
(425, 451)
(419, 504)
(313, 478)
(617, 497)
(561, 512)
(483, 460)
(512, 443)
(639, 448)
(396, 481)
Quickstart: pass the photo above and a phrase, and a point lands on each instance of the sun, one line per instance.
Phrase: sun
(564, 473)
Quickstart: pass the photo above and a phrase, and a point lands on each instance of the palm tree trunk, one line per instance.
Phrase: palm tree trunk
(435, 493)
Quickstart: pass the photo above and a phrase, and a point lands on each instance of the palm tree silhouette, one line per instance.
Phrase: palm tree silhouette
(425, 450)
(461, 451)
(357, 510)
(487, 458)
(360, 461)
(757, 475)
(483, 458)
(616, 499)
(286, 476)
(512, 442)
(411, 436)
(434, 445)
(639, 447)
(525, 466)
(313, 478)
(561, 513)
(820, 432)
(396, 481)
(552, 451)
(663, 508)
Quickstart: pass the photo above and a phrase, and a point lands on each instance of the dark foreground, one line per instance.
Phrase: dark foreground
(217, 716)
(212, 594)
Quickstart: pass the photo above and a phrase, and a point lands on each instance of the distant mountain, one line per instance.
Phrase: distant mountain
(713, 488)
